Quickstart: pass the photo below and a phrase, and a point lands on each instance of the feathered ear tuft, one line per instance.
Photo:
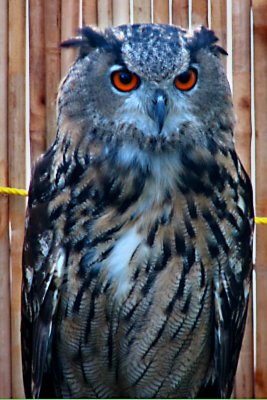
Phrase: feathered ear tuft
(205, 38)
(88, 39)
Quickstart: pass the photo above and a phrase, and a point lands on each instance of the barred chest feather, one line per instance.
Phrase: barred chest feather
(143, 251)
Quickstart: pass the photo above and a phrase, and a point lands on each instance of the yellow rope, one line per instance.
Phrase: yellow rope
(23, 192)
(14, 191)
(261, 220)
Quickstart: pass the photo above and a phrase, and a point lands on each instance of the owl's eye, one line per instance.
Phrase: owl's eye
(124, 80)
(186, 80)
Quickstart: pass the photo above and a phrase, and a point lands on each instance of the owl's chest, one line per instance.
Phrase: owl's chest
(134, 299)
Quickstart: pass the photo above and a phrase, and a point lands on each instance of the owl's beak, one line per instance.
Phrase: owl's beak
(158, 108)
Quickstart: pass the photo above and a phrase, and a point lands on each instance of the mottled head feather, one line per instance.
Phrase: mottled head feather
(153, 50)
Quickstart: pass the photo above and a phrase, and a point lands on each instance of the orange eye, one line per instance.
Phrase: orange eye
(186, 80)
(124, 80)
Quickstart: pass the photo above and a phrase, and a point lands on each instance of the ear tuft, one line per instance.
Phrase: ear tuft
(205, 38)
(88, 40)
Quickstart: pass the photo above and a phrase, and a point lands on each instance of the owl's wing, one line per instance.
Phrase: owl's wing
(43, 269)
(231, 293)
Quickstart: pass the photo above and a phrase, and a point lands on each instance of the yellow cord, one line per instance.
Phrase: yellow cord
(13, 191)
(261, 220)
(23, 192)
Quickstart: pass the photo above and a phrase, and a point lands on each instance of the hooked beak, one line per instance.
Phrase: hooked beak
(158, 108)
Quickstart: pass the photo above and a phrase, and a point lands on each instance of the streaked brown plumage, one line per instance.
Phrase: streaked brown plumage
(137, 254)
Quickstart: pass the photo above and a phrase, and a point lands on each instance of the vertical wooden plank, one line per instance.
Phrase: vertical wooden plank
(37, 78)
(219, 23)
(5, 353)
(161, 11)
(69, 26)
(104, 13)
(241, 79)
(199, 12)
(89, 11)
(260, 79)
(142, 11)
(52, 64)
(17, 175)
(244, 382)
(180, 13)
(121, 12)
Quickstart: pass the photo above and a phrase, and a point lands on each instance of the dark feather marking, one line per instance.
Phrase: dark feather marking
(110, 346)
(215, 228)
(202, 303)
(202, 271)
(192, 208)
(175, 334)
(91, 314)
(40, 188)
(234, 158)
(178, 295)
(220, 205)
(92, 274)
(152, 233)
(84, 195)
(131, 327)
(187, 303)
(230, 217)
(189, 258)
(143, 373)
(213, 249)
(55, 214)
(189, 227)
(87, 242)
(163, 260)
(74, 176)
(138, 186)
(150, 280)
(212, 145)
(129, 315)
(80, 359)
(197, 185)
(189, 163)
(217, 176)
(155, 341)
(179, 244)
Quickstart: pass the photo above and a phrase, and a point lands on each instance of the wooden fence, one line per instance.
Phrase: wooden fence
(31, 66)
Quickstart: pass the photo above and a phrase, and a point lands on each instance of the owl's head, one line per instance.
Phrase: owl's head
(154, 87)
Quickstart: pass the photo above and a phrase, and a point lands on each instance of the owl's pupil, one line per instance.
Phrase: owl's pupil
(125, 77)
(184, 77)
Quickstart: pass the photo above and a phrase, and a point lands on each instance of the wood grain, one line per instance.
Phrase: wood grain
(161, 12)
(69, 27)
(180, 13)
(121, 12)
(219, 23)
(37, 78)
(17, 173)
(142, 11)
(89, 12)
(104, 13)
(199, 13)
(52, 11)
(260, 76)
(5, 339)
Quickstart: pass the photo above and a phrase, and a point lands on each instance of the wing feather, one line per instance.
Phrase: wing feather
(43, 270)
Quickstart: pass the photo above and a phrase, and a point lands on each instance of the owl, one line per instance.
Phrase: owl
(137, 251)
